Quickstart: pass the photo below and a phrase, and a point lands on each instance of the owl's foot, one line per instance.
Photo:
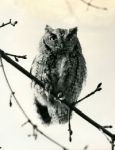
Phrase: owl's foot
(60, 96)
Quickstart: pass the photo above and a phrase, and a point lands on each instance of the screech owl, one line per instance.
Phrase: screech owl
(61, 66)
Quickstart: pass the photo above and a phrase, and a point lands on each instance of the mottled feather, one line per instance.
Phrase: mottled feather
(61, 66)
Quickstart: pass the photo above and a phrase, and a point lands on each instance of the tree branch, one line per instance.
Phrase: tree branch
(89, 4)
(20, 68)
(98, 88)
(10, 22)
(34, 126)
(73, 108)
(17, 56)
(69, 7)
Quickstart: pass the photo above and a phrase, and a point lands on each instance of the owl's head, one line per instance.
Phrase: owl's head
(60, 39)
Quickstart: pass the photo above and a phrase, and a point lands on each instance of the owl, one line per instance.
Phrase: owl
(61, 67)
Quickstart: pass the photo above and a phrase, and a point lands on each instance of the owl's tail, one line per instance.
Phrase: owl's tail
(43, 111)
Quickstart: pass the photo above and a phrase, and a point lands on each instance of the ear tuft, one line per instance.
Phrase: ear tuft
(48, 28)
(73, 30)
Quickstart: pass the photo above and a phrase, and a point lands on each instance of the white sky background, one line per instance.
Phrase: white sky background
(97, 37)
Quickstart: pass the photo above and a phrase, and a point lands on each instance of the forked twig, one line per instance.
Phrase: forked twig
(98, 88)
(89, 4)
(17, 56)
(10, 22)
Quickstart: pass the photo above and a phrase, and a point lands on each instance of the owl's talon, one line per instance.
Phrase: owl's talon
(61, 96)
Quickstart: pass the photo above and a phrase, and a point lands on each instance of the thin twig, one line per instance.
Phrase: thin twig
(92, 5)
(34, 126)
(109, 140)
(108, 126)
(89, 4)
(69, 7)
(69, 126)
(17, 56)
(98, 88)
(26, 116)
(10, 22)
(11, 95)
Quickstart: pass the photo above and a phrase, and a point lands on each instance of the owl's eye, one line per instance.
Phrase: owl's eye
(53, 37)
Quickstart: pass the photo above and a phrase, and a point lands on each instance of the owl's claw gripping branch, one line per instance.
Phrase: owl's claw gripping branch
(60, 96)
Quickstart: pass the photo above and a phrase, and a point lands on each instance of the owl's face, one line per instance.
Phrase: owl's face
(60, 39)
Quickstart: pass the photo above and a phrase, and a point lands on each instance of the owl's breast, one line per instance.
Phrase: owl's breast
(63, 69)
(61, 66)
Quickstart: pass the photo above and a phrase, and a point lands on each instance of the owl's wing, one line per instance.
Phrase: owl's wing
(36, 68)
(40, 95)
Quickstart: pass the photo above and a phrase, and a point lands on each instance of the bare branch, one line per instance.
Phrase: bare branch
(69, 7)
(20, 68)
(89, 4)
(98, 88)
(69, 127)
(71, 107)
(26, 116)
(110, 126)
(10, 22)
(10, 102)
(34, 126)
(17, 56)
